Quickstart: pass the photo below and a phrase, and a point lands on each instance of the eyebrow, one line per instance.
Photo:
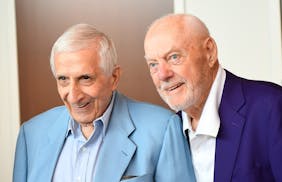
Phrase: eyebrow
(148, 59)
(59, 75)
(169, 51)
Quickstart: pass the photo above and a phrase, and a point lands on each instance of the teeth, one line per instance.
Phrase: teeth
(169, 86)
(174, 87)
(83, 105)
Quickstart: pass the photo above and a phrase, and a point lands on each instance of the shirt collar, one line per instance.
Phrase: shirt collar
(73, 125)
(209, 121)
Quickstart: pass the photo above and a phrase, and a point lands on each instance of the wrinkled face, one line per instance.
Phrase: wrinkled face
(82, 85)
(179, 68)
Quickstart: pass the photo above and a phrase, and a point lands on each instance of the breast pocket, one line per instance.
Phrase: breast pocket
(143, 178)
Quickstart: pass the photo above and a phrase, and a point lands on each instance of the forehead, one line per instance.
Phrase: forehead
(161, 42)
(75, 61)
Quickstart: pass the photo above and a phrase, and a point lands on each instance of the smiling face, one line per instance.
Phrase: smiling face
(180, 64)
(82, 85)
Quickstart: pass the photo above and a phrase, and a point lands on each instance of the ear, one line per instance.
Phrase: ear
(211, 48)
(115, 77)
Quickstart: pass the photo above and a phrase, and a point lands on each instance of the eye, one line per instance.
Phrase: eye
(174, 56)
(85, 77)
(62, 80)
(153, 67)
(174, 59)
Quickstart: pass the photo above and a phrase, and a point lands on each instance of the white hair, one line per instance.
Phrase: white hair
(83, 36)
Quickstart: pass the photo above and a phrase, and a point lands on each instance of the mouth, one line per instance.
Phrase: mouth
(81, 105)
(173, 87)
(169, 87)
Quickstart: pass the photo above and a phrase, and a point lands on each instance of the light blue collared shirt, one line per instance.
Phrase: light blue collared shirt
(78, 157)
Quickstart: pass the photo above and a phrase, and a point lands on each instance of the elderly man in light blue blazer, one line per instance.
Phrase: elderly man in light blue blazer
(99, 135)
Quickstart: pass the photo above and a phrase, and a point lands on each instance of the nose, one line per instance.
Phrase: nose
(75, 93)
(164, 71)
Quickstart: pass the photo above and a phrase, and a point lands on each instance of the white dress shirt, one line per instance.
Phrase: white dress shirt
(203, 140)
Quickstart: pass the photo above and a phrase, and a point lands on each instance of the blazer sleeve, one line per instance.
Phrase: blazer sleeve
(275, 138)
(20, 164)
(174, 162)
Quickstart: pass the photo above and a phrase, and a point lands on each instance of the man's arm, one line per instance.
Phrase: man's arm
(275, 139)
(20, 164)
(175, 163)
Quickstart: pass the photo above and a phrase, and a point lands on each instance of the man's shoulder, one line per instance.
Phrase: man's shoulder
(151, 122)
(151, 117)
(255, 87)
(253, 92)
(46, 118)
(146, 109)
(262, 87)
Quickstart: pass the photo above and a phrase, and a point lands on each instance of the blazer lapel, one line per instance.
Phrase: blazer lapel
(52, 146)
(117, 149)
(231, 127)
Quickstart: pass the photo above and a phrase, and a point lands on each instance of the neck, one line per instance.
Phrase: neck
(194, 114)
(87, 129)
(195, 111)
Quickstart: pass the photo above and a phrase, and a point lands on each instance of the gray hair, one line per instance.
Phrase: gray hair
(83, 36)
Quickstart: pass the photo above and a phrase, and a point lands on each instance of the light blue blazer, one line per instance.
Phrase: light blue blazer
(143, 143)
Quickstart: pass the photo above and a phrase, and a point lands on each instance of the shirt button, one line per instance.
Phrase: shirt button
(84, 149)
(78, 179)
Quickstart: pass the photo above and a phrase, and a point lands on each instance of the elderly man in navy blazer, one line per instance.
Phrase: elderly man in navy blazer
(99, 135)
(233, 125)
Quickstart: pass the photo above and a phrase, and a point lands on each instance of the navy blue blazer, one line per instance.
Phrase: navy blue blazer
(249, 142)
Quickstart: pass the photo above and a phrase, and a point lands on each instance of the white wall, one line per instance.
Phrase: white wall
(9, 107)
(247, 33)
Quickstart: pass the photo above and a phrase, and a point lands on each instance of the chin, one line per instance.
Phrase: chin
(81, 120)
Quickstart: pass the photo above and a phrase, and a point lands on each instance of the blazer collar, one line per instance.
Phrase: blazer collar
(231, 127)
(117, 149)
(52, 145)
